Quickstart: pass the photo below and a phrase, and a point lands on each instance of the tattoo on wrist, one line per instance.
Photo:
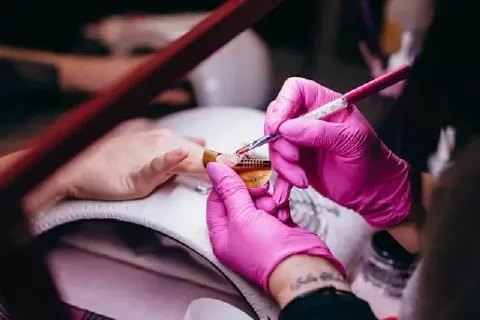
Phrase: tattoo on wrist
(322, 277)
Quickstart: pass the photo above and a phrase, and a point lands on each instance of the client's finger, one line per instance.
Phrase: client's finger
(159, 169)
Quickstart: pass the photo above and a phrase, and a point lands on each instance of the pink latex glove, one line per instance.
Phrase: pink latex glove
(247, 239)
(341, 157)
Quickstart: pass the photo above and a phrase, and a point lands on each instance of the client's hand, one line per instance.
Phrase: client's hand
(341, 157)
(129, 163)
(249, 240)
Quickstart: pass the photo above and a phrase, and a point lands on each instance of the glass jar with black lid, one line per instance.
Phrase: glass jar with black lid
(388, 266)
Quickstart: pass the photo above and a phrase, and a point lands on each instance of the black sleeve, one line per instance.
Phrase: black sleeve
(327, 304)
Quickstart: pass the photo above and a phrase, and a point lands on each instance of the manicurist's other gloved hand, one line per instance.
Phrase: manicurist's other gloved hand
(249, 240)
(340, 156)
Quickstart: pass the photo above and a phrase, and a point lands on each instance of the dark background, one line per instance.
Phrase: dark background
(56, 25)
(293, 32)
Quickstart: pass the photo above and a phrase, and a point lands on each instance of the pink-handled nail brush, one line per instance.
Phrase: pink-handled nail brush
(341, 103)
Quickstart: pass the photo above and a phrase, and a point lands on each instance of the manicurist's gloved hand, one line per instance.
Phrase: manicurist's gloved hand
(340, 156)
(250, 240)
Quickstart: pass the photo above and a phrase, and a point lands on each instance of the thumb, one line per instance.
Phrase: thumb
(46, 195)
(231, 189)
(217, 222)
(317, 133)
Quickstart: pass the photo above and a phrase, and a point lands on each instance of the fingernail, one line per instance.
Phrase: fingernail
(173, 159)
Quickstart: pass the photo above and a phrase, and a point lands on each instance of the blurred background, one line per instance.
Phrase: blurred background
(55, 54)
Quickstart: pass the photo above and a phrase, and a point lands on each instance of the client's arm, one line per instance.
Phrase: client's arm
(10, 158)
(88, 74)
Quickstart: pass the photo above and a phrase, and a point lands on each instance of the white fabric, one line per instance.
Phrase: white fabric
(178, 211)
